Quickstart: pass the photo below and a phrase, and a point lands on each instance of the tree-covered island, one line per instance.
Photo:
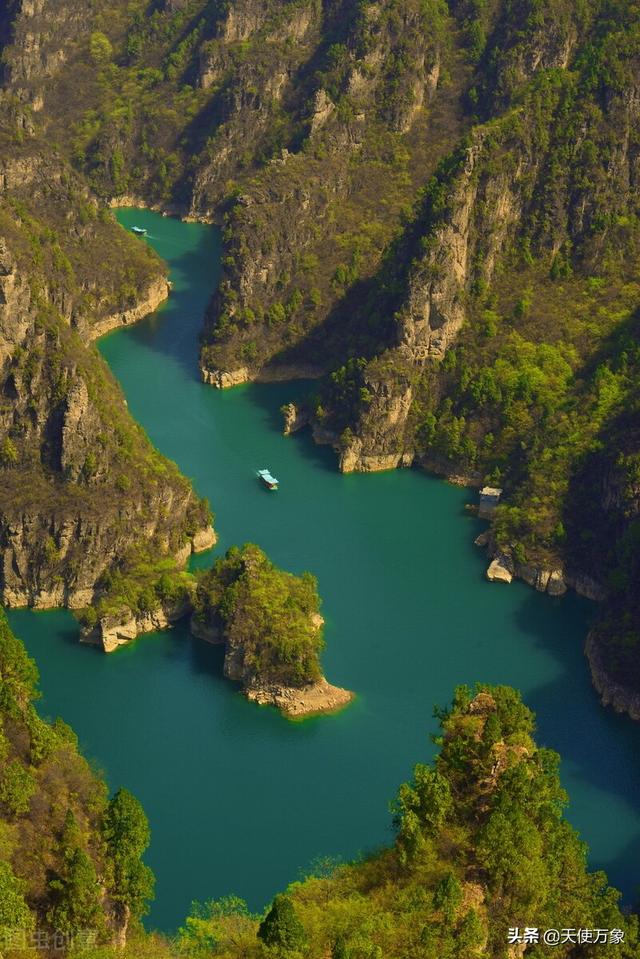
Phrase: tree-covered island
(271, 625)
(268, 619)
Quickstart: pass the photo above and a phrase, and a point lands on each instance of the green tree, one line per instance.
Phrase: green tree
(8, 452)
(276, 313)
(100, 48)
(492, 732)
(448, 896)
(420, 809)
(470, 935)
(16, 788)
(14, 912)
(216, 925)
(281, 926)
(75, 894)
(126, 831)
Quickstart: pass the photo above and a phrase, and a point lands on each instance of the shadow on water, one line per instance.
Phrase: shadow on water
(268, 399)
(71, 636)
(627, 864)
(175, 328)
(597, 746)
(204, 658)
(583, 711)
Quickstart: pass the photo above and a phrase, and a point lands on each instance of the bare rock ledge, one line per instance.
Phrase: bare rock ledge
(223, 379)
(155, 294)
(119, 630)
(500, 569)
(277, 373)
(204, 539)
(298, 702)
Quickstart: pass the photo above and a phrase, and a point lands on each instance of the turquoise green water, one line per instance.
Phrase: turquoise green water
(239, 799)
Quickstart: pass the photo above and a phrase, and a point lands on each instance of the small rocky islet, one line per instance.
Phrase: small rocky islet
(268, 621)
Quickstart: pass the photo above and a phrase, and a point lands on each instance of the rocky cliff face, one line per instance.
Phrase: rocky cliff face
(69, 505)
(457, 237)
(37, 37)
(458, 246)
(608, 487)
(80, 483)
(254, 90)
(293, 239)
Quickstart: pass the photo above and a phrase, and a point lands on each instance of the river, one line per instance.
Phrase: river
(240, 800)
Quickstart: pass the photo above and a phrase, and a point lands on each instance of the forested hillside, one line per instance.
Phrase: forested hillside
(70, 865)
(481, 851)
(80, 484)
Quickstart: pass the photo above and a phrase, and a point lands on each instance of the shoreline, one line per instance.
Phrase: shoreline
(622, 699)
(178, 211)
(156, 293)
(225, 379)
(300, 702)
(293, 702)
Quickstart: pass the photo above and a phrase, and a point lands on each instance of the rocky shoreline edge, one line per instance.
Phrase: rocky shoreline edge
(165, 209)
(300, 702)
(503, 566)
(621, 698)
(294, 702)
(154, 295)
(275, 373)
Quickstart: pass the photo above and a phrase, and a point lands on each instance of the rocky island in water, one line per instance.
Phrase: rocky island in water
(268, 621)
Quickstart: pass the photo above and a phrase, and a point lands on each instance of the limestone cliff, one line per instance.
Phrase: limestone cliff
(80, 484)
(292, 252)
(120, 629)
(37, 37)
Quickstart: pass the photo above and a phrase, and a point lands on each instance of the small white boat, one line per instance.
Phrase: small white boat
(269, 481)
(139, 230)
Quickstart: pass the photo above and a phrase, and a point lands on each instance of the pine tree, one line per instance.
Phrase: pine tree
(126, 831)
(281, 926)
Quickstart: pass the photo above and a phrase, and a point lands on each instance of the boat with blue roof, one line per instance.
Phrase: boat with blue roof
(267, 479)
